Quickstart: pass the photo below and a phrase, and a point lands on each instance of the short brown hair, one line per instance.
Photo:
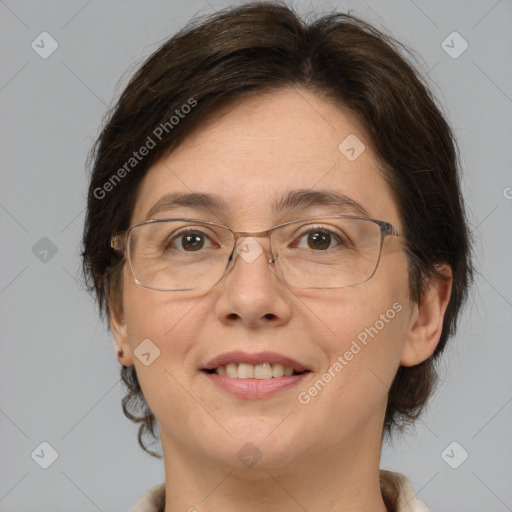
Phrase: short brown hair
(264, 46)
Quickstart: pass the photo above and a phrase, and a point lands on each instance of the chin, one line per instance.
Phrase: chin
(261, 447)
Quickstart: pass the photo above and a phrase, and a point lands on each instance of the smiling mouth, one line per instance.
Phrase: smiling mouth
(262, 371)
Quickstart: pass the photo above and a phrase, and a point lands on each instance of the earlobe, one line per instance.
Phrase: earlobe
(120, 333)
(427, 319)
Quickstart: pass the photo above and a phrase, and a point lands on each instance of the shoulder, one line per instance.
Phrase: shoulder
(398, 490)
(152, 501)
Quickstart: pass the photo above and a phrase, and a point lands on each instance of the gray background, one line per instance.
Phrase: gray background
(59, 379)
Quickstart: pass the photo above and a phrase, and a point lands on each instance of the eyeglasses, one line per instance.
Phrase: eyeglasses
(189, 254)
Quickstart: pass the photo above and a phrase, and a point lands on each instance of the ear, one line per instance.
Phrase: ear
(427, 319)
(120, 331)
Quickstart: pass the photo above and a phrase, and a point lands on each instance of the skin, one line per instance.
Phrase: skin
(320, 456)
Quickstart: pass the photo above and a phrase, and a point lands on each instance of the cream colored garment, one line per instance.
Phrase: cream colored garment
(154, 499)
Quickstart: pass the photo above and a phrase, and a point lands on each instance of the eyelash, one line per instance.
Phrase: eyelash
(318, 229)
(179, 236)
(322, 230)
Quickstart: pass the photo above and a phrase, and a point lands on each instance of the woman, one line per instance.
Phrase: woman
(276, 233)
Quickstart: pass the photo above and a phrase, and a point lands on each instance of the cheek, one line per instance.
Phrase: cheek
(365, 328)
(364, 333)
(165, 326)
(370, 311)
(362, 359)
(160, 316)
(170, 322)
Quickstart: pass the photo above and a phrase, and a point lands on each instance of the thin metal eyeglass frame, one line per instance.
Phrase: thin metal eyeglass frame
(118, 243)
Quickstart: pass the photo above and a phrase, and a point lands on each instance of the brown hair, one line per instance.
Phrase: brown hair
(264, 46)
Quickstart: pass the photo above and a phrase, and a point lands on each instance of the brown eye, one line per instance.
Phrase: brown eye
(319, 240)
(187, 240)
(192, 242)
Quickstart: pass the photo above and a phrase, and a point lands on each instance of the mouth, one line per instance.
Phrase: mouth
(252, 376)
(263, 365)
(261, 371)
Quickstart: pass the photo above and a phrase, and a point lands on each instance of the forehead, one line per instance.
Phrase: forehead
(255, 150)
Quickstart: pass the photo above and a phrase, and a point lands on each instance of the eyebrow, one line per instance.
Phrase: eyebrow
(294, 199)
(196, 200)
(306, 198)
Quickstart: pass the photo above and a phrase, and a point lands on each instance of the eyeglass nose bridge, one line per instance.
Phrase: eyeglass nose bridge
(249, 249)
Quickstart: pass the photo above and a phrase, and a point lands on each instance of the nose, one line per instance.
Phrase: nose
(251, 292)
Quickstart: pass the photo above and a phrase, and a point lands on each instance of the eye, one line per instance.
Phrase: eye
(189, 241)
(319, 239)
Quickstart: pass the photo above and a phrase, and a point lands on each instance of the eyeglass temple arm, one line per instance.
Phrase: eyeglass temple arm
(392, 230)
(118, 241)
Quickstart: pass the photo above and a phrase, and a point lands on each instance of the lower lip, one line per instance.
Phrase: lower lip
(255, 388)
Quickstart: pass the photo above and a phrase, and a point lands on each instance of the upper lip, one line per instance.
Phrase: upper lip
(254, 359)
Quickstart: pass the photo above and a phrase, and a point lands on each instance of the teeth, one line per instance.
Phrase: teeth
(288, 371)
(277, 370)
(263, 371)
(245, 371)
(259, 371)
(231, 370)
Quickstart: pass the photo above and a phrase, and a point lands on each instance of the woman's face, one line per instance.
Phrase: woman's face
(255, 153)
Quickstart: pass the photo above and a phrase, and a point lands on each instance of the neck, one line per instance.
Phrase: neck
(339, 478)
